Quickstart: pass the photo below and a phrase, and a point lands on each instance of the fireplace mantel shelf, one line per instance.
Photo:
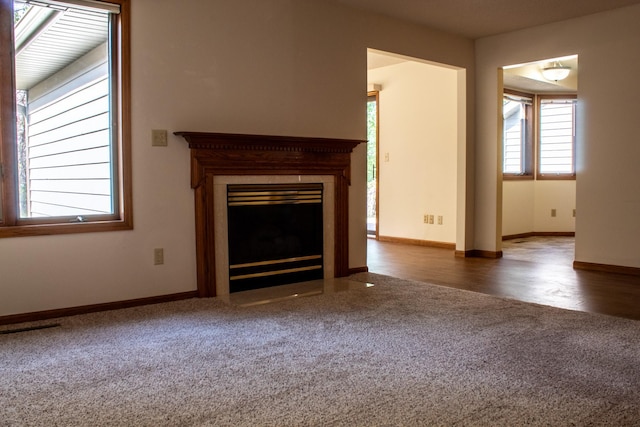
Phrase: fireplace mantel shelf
(226, 141)
(237, 154)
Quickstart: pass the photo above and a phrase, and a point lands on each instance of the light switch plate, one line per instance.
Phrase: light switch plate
(159, 138)
(158, 256)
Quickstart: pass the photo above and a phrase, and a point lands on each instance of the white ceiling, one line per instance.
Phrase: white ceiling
(461, 16)
(377, 59)
(480, 18)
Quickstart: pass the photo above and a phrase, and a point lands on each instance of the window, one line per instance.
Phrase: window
(554, 130)
(64, 141)
(517, 135)
(556, 159)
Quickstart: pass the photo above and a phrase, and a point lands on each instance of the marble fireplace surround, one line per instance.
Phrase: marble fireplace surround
(218, 159)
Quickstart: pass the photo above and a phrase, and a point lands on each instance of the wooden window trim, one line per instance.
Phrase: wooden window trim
(10, 224)
(517, 177)
(555, 177)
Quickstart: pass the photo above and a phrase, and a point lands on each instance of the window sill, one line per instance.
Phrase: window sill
(556, 177)
(509, 177)
(71, 228)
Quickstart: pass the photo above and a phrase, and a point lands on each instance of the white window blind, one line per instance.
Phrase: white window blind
(557, 136)
(515, 134)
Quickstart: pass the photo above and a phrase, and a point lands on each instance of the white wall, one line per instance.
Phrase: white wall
(558, 195)
(607, 153)
(418, 132)
(288, 67)
(518, 206)
(526, 206)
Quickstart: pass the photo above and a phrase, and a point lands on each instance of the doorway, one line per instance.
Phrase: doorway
(373, 118)
(538, 146)
(414, 172)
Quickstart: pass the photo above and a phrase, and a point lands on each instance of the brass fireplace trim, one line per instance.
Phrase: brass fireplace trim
(282, 194)
(276, 261)
(275, 272)
(236, 154)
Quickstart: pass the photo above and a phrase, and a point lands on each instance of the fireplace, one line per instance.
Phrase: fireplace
(275, 234)
(224, 163)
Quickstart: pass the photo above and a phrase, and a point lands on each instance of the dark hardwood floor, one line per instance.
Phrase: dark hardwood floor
(537, 269)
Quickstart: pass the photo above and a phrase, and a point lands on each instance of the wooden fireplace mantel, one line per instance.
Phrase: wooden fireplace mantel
(236, 154)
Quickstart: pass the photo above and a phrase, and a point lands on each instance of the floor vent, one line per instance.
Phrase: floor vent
(31, 328)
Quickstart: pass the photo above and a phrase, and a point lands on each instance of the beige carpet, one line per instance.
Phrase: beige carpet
(396, 354)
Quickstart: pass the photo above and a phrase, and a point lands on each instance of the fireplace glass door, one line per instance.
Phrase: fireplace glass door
(275, 234)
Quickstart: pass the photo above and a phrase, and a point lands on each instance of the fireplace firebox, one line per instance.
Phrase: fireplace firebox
(275, 234)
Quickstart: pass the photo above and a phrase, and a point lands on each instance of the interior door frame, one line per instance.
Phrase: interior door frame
(376, 94)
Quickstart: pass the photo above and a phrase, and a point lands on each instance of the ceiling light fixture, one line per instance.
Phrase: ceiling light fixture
(556, 72)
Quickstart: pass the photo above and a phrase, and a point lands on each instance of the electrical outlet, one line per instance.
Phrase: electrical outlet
(386, 157)
(159, 138)
(553, 213)
(439, 219)
(574, 213)
(430, 219)
(426, 219)
(158, 256)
